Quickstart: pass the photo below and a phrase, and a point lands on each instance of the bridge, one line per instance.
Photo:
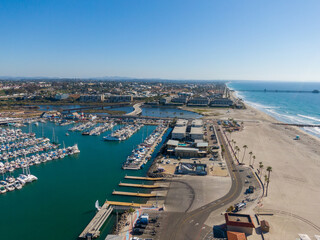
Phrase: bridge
(5, 121)
(137, 110)
(94, 107)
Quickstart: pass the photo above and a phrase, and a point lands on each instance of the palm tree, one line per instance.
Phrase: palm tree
(234, 143)
(237, 149)
(269, 170)
(253, 158)
(244, 152)
(260, 168)
(265, 179)
(250, 153)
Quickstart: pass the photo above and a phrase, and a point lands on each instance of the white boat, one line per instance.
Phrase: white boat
(10, 187)
(18, 185)
(3, 190)
(75, 148)
(97, 205)
(22, 178)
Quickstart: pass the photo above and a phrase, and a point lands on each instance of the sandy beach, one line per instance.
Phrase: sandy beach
(294, 190)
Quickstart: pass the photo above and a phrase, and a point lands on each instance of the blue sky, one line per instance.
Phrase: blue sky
(173, 39)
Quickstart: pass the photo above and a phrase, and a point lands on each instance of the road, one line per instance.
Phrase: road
(190, 225)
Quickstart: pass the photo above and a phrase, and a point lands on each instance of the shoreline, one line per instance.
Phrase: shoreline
(248, 104)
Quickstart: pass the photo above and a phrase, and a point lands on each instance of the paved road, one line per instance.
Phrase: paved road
(190, 225)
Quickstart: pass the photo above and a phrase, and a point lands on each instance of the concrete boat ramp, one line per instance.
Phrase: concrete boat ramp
(93, 228)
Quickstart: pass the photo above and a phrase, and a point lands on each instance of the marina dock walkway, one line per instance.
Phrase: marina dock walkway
(127, 204)
(139, 185)
(134, 194)
(143, 178)
(93, 228)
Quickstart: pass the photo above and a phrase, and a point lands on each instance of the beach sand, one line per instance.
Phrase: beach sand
(294, 187)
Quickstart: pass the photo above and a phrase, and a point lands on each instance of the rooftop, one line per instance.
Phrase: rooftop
(177, 129)
(196, 130)
(240, 220)
(236, 236)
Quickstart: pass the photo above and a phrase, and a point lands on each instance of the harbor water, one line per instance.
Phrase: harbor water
(61, 203)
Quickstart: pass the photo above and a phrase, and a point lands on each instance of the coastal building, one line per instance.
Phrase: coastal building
(181, 122)
(221, 102)
(119, 98)
(179, 100)
(198, 101)
(179, 133)
(239, 223)
(197, 123)
(165, 100)
(61, 96)
(186, 152)
(196, 133)
(91, 98)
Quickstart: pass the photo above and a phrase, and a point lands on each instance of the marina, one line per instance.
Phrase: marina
(123, 133)
(20, 151)
(100, 129)
(142, 153)
(109, 156)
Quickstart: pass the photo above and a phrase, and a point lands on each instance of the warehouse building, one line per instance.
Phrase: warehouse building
(196, 133)
(181, 122)
(197, 123)
(179, 133)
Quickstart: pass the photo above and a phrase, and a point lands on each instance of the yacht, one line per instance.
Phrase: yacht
(3, 190)
(17, 185)
(10, 187)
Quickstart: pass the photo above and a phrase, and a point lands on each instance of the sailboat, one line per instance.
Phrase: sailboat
(97, 205)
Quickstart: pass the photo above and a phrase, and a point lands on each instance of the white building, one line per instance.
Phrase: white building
(179, 132)
(196, 133)
(197, 123)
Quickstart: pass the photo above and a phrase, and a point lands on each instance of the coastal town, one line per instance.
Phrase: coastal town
(196, 170)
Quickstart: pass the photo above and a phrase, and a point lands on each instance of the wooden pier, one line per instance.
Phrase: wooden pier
(93, 228)
(127, 204)
(139, 185)
(298, 125)
(143, 178)
(133, 194)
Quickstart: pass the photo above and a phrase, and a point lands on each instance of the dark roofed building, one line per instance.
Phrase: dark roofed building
(239, 223)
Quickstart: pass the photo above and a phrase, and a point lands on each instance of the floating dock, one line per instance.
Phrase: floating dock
(143, 178)
(127, 204)
(139, 185)
(93, 228)
(133, 194)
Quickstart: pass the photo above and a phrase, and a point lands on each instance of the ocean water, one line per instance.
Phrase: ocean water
(61, 203)
(301, 108)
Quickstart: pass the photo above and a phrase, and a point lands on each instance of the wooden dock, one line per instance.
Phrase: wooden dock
(133, 194)
(127, 204)
(139, 185)
(93, 228)
(143, 178)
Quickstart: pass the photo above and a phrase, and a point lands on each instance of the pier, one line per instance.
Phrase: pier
(133, 194)
(93, 228)
(280, 91)
(139, 185)
(298, 125)
(143, 178)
